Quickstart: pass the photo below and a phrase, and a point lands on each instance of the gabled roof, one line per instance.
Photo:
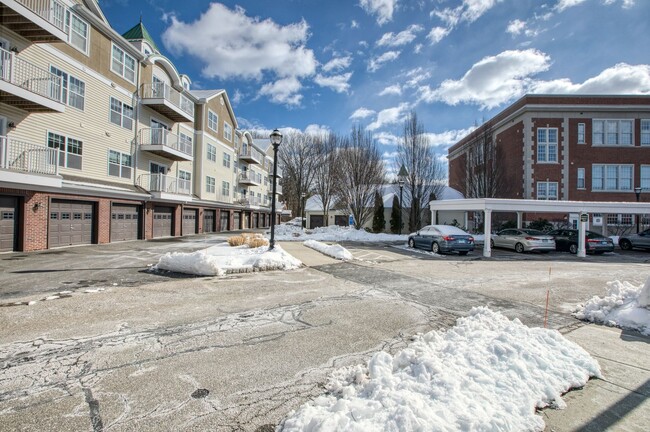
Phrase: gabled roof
(263, 144)
(139, 32)
(206, 94)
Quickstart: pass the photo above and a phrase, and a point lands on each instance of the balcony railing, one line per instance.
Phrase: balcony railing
(28, 76)
(164, 138)
(51, 11)
(250, 154)
(27, 157)
(248, 178)
(165, 184)
(269, 168)
(175, 98)
(278, 189)
(221, 197)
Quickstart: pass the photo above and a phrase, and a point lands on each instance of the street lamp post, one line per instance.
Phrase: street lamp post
(303, 222)
(637, 191)
(401, 179)
(276, 139)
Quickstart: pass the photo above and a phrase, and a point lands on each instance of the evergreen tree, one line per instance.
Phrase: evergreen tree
(394, 216)
(378, 220)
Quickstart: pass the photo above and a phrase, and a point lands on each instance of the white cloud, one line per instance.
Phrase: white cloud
(315, 129)
(565, 4)
(418, 48)
(382, 9)
(619, 79)
(469, 11)
(386, 138)
(237, 97)
(402, 38)
(394, 89)
(437, 34)
(448, 138)
(283, 91)
(338, 63)
(354, 24)
(362, 113)
(389, 116)
(386, 57)
(338, 83)
(415, 76)
(515, 27)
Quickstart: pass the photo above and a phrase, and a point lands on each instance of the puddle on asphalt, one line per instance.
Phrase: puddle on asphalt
(200, 393)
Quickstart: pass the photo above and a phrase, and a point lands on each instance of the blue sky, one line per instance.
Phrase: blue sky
(314, 64)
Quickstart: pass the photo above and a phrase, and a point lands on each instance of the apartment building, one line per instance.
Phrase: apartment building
(103, 140)
(561, 147)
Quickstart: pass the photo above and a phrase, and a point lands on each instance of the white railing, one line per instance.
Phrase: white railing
(254, 201)
(51, 11)
(23, 156)
(278, 189)
(164, 91)
(22, 73)
(250, 153)
(223, 198)
(165, 183)
(248, 177)
(163, 137)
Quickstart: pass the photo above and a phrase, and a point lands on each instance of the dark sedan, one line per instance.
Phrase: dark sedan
(567, 240)
(441, 239)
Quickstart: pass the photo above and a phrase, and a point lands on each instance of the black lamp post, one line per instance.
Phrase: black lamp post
(303, 222)
(401, 179)
(637, 191)
(276, 139)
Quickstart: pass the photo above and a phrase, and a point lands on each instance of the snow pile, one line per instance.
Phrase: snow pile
(625, 305)
(335, 251)
(222, 259)
(485, 374)
(333, 233)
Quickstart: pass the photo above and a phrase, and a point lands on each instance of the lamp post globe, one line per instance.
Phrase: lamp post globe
(276, 140)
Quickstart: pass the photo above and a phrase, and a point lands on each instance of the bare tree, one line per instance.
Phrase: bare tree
(425, 178)
(484, 175)
(298, 160)
(361, 174)
(326, 167)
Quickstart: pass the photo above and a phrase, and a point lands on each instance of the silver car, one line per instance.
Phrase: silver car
(640, 240)
(523, 240)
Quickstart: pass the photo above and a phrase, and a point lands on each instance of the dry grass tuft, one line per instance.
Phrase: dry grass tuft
(236, 240)
(252, 240)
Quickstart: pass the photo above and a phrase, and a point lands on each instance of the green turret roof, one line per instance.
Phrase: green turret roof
(139, 32)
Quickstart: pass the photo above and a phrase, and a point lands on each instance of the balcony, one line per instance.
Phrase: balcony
(162, 186)
(35, 20)
(278, 189)
(248, 178)
(269, 168)
(164, 143)
(250, 155)
(27, 86)
(168, 101)
(224, 198)
(26, 163)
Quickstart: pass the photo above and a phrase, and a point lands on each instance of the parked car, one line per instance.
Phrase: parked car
(567, 240)
(640, 240)
(442, 239)
(523, 240)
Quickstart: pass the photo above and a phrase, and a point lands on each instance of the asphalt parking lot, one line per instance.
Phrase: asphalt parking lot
(126, 349)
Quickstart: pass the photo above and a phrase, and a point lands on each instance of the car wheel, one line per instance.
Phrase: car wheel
(492, 244)
(435, 248)
(462, 253)
(519, 248)
(412, 243)
(625, 244)
(573, 248)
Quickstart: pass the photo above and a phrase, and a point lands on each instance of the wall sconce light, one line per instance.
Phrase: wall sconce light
(14, 50)
(11, 125)
(36, 206)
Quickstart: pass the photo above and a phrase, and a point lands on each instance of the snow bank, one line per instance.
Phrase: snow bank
(625, 305)
(335, 251)
(485, 374)
(333, 233)
(222, 259)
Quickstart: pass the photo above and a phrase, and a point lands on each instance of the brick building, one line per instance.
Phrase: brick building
(561, 147)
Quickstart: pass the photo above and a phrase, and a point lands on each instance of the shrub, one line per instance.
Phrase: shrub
(257, 242)
(248, 239)
(541, 225)
(236, 240)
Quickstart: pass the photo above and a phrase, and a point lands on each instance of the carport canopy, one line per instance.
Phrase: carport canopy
(519, 206)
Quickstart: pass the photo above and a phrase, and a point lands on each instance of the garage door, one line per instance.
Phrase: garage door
(163, 218)
(341, 220)
(71, 223)
(224, 218)
(209, 217)
(315, 221)
(125, 222)
(8, 217)
(236, 221)
(189, 221)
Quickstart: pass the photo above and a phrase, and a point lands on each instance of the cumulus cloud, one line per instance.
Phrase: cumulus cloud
(468, 11)
(515, 27)
(402, 38)
(381, 9)
(377, 62)
(337, 63)
(338, 83)
(362, 113)
(394, 89)
(389, 116)
(283, 91)
(315, 129)
(448, 138)
(437, 34)
(565, 4)
(386, 138)
(619, 79)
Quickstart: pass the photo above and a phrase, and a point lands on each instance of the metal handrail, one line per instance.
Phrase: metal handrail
(19, 155)
(28, 76)
(250, 152)
(161, 90)
(250, 176)
(52, 11)
(165, 183)
(163, 137)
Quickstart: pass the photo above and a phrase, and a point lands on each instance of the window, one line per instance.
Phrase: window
(547, 145)
(581, 178)
(119, 164)
(78, 33)
(645, 177)
(612, 132)
(123, 64)
(225, 188)
(212, 153)
(227, 131)
(645, 132)
(547, 190)
(581, 133)
(213, 121)
(209, 184)
(121, 114)
(185, 142)
(73, 90)
(611, 177)
(226, 160)
(70, 150)
(619, 219)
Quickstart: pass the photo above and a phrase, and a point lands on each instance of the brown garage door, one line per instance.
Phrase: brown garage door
(209, 218)
(189, 221)
(71, 223)
(315, 221)
(163, 218)
(224, 218)
(8, 217)
(125, 222)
